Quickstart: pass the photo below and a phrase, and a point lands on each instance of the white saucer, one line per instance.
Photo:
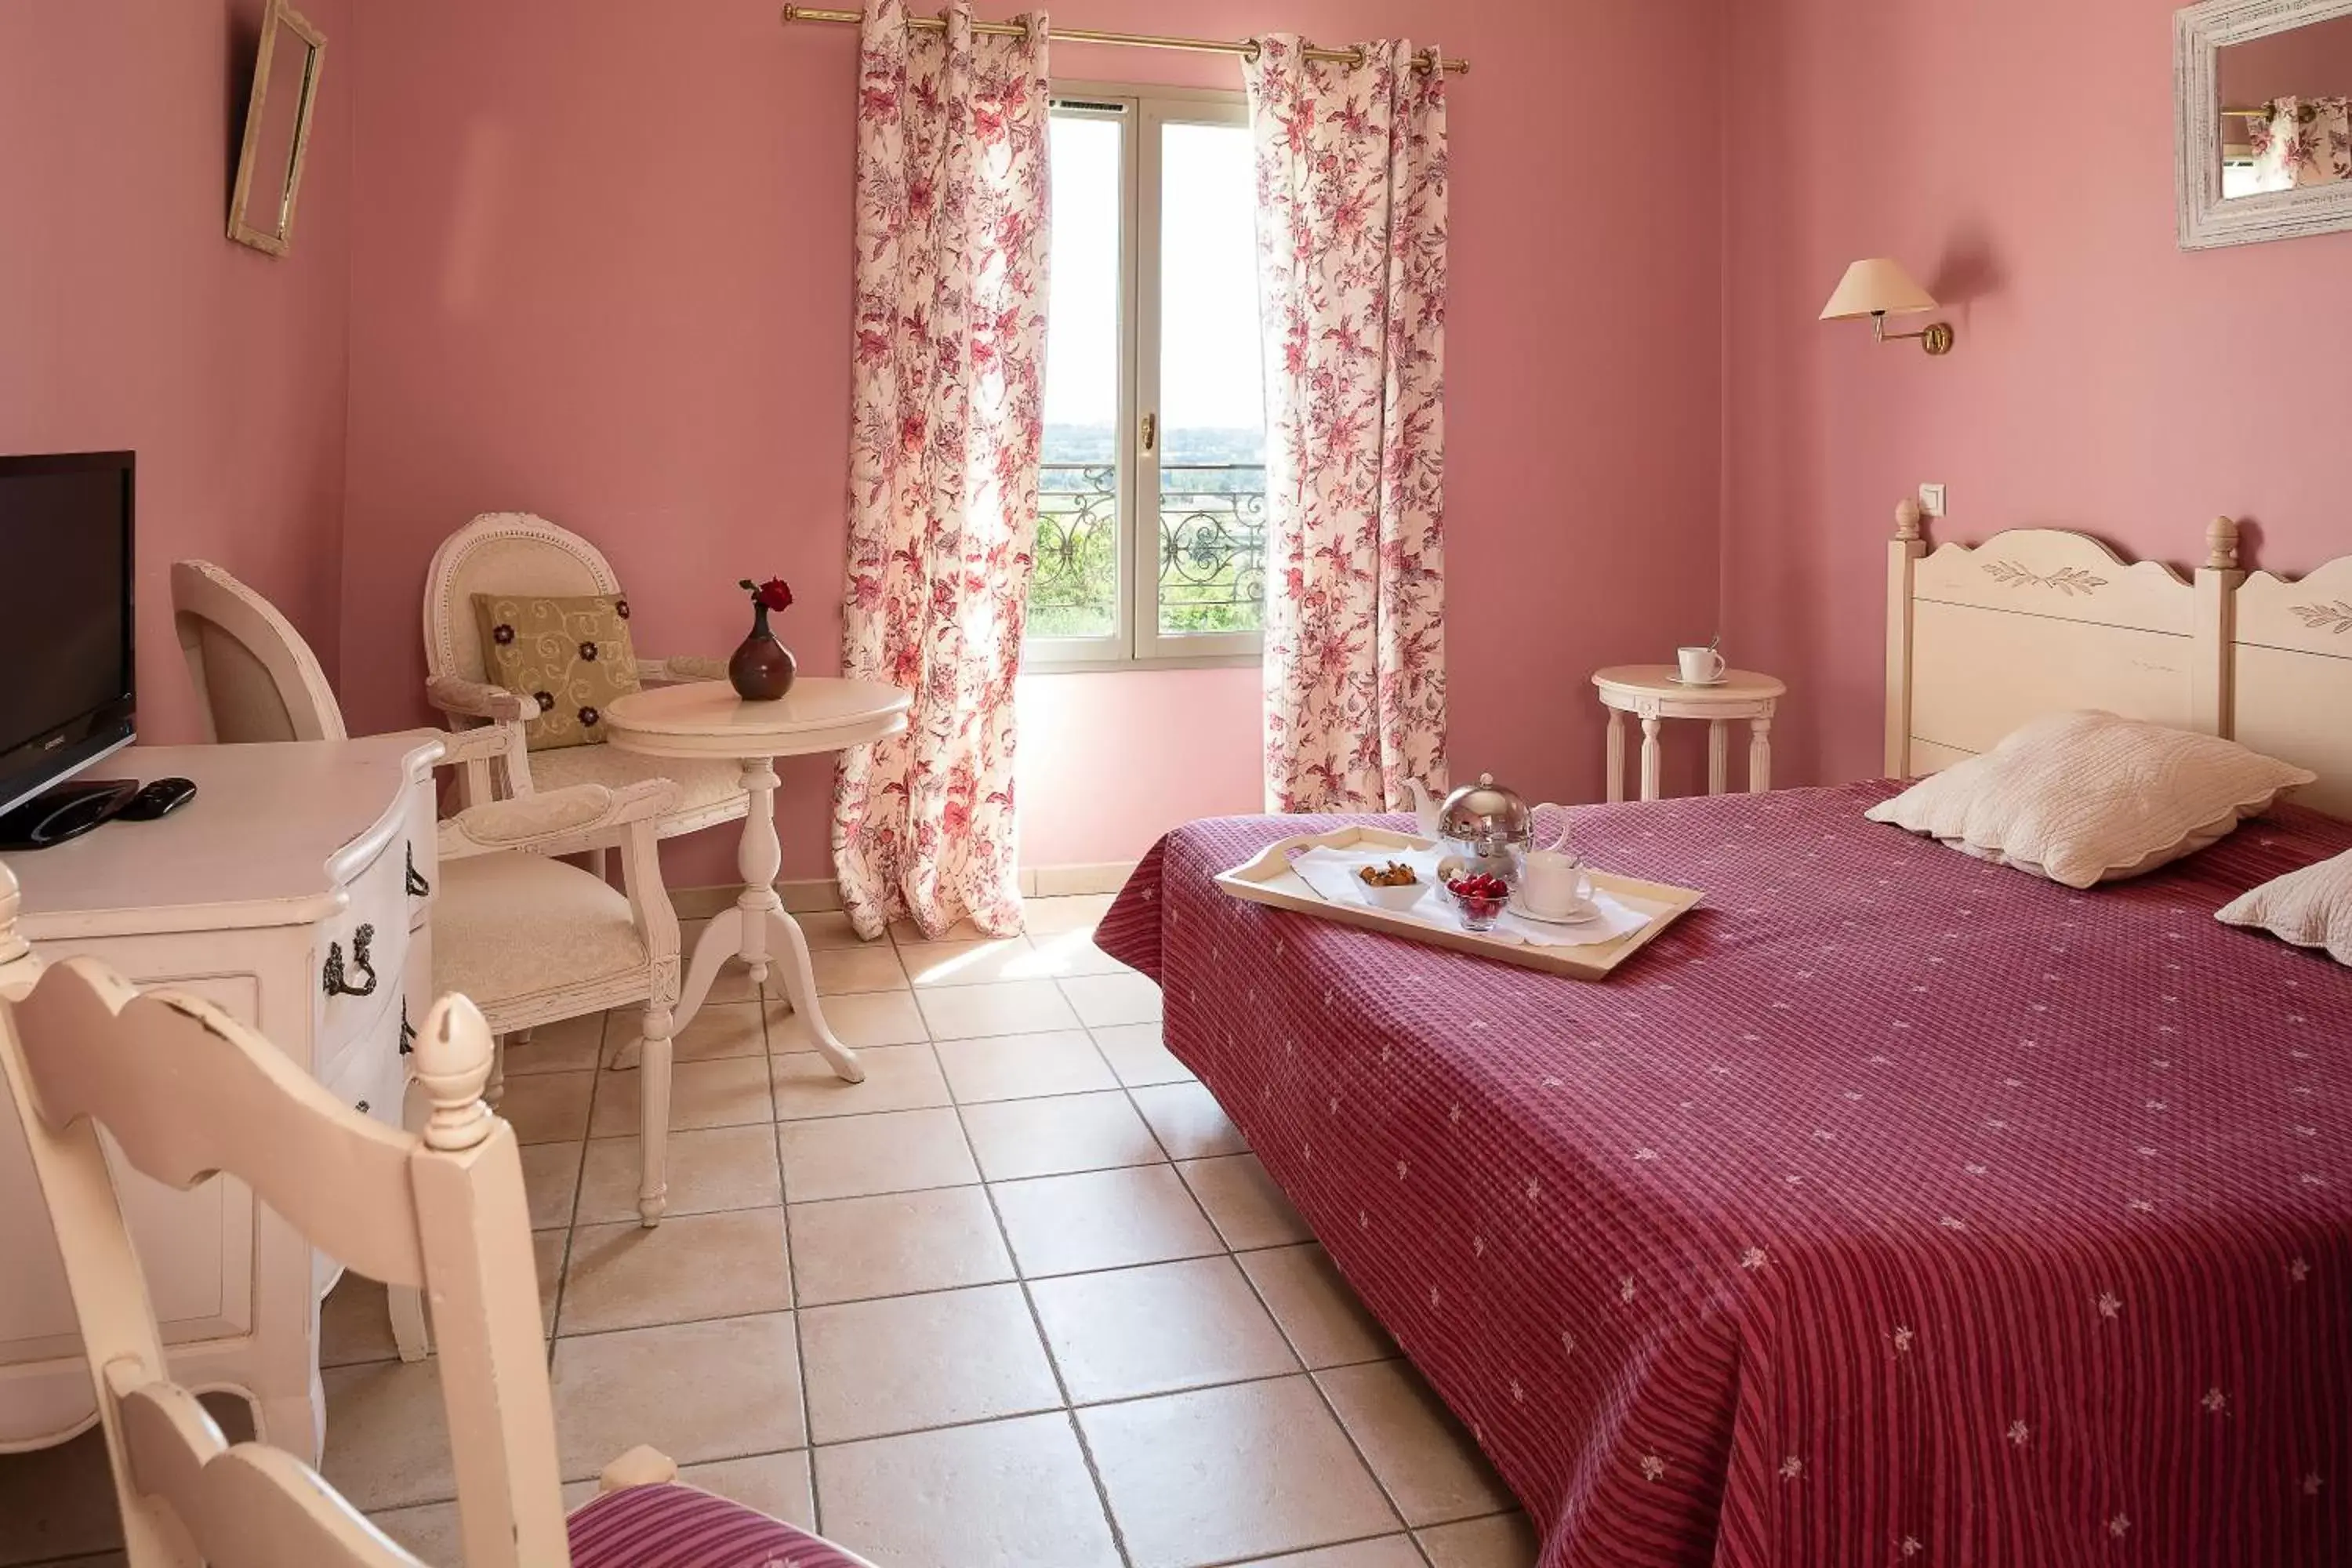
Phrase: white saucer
(1521, 909)
(1719, 680)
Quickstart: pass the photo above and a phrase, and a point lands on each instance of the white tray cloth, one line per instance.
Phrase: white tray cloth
(1332, 874)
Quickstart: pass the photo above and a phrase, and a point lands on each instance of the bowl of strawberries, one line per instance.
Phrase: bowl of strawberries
(1478, 895)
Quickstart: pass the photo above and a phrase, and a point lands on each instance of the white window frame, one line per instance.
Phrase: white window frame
(1136, 640)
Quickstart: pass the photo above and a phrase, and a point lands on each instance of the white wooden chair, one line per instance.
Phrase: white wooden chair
(187, 1091)
(516, 553)
(530, 939)
(260, 682)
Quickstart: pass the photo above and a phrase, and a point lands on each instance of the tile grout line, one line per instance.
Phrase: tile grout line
(1102, 1491)
(950, 1103)
(1309, 1372)
(572, 1225)
(1053, 1364)
(1315, 1380)
(987, 1189)
(1015, 1279)
(1071, 1411)
(792, 1275)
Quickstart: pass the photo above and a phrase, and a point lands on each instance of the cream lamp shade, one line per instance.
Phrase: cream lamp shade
(1876, 288)
(1880, 288)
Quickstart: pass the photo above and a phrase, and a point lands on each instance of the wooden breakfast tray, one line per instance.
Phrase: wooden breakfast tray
(1268, 880)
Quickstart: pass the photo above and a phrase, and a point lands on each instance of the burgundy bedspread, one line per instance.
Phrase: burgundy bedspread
(1894, 1207)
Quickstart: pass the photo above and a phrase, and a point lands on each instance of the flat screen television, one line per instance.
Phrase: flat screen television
(66, 565)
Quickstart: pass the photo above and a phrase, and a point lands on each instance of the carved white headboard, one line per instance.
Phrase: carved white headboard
(2291, 676)
(1979, 639)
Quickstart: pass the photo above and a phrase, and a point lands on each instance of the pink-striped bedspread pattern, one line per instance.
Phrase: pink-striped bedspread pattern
(673, 1526)
(1894, 1207)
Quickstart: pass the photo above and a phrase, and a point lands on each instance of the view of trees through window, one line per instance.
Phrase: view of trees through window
(1166, 342)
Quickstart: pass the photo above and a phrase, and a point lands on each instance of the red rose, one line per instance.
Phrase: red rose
(775, 594)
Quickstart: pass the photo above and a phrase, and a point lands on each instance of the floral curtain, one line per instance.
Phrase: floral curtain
(1351, 229)
(2306, 141)
(945, 427)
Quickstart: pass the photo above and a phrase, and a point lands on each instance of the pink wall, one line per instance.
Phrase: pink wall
(2104, 379)
(602, 270)
(130, 322)
(603, 273)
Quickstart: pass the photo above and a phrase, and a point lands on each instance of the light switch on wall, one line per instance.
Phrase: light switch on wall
(1931, 500)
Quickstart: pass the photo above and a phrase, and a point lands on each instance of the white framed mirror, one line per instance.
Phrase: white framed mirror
(2262, 112)
(277, 130)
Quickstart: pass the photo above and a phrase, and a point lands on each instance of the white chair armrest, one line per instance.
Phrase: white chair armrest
(685, 667)
(479, 700)
(553, 822)
(486, 743)
(502, 740)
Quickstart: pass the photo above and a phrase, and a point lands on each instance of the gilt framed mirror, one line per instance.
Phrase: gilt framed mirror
(278, 130)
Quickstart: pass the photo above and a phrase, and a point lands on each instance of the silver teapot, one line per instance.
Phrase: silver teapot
(1486, 824)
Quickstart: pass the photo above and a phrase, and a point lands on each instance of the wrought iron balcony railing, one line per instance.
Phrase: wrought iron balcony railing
(1211, 575)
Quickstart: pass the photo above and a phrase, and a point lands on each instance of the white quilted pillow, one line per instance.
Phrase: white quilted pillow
(2086, 797)
(2310, 907)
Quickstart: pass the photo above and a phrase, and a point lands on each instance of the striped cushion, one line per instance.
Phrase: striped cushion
(682, 1527)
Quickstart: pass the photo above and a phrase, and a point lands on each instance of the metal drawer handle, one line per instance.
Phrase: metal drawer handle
(418, 888)
(331, 976)
(408, 1029)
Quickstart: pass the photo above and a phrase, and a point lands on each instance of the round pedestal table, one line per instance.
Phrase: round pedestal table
(706, 718)
(1653, 692)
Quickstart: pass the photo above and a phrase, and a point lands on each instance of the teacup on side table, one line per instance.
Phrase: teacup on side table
(1655, 692)
(706, 718)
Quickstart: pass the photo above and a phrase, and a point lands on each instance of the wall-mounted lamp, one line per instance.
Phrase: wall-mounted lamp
(1879, 288)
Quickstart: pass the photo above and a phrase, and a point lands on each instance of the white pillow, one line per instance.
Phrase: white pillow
(2310, 907)
(2086, 797)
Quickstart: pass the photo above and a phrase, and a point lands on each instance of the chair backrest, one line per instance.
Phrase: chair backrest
(500, 552)
(258, 679)
(187, 1091)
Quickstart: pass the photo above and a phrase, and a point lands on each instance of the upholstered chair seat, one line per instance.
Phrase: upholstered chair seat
(710, 789)
(682, 1527)
(515, 926)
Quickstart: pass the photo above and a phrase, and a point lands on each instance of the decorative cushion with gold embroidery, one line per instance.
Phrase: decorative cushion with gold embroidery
(571, 654)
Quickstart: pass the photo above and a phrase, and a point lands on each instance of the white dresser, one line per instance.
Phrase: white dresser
(294, 893)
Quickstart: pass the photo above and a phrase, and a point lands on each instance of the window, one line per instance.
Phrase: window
(1151, 497)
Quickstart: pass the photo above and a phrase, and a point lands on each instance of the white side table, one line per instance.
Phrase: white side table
(1654, 692)
(706, 718)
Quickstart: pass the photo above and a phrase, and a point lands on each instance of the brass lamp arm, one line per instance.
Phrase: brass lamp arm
(1936, 338)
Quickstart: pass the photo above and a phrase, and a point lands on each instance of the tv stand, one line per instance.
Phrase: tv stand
(68, 811)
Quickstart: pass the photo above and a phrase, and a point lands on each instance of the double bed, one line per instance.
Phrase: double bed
(1893, 1206)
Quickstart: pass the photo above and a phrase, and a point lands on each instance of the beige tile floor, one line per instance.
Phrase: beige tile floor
(1023, 1298)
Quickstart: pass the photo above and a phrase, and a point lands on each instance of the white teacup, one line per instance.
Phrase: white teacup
(1700, 666)
(1554, 886)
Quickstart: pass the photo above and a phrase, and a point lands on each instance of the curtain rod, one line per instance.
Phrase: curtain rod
(1245, 47)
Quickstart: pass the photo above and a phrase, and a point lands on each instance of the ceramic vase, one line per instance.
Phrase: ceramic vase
(762, 669)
